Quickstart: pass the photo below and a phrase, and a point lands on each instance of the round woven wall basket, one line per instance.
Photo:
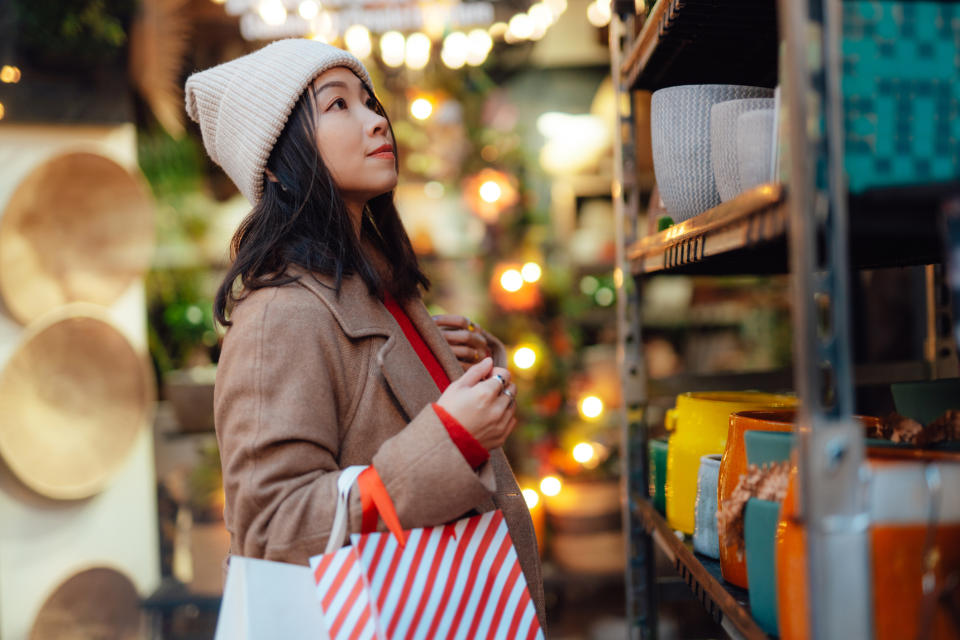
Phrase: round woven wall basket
(95, 603)
(79, 227)
(75, 394)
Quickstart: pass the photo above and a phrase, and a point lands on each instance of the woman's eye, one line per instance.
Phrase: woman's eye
(339, 103)
(372, 105)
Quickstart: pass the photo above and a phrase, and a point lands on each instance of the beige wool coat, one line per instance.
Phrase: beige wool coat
(309, 383)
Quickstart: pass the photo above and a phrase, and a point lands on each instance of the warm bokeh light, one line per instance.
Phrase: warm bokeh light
(531, 272)
(598, 13)
(531, 497)
(417, 51)
(591, 407)
(392, 48)
(357, 39)
(3, 111)
(550, 486)
(9, 74)
(583, 452)
(556, 6)
(421, 108)
(273, 12)
(456, 48)
(497, 29)
(541, 14)
(479, 44)
(511, 280)
(521, 26)
(524, 357)
(308, 9)
(490, 191)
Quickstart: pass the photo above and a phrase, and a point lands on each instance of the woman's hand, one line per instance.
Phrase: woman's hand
(482, 400)
(467, 341)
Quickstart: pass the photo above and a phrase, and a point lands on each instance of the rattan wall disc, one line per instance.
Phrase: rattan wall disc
(74, 394)
(97, 603)
(78, 228)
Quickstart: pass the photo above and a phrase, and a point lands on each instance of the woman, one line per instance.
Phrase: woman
(331, 359)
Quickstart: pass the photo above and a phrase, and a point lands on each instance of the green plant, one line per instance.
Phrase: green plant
(180, 319)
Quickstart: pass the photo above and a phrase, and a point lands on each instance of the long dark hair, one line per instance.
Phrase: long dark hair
(301, 219)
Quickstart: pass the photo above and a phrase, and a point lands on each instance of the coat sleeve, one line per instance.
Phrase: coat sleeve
(286, 385)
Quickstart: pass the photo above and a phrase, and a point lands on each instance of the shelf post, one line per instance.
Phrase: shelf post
(830, 443)
(640, 578)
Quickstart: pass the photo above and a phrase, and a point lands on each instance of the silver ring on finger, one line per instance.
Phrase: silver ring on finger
(508, 393)
(503, 383)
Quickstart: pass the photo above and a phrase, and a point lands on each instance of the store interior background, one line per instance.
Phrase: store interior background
(505, 191)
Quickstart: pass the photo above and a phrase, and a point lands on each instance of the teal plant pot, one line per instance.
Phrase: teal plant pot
(760, 532)
(658, 473)
(927, 400)
(765, 447)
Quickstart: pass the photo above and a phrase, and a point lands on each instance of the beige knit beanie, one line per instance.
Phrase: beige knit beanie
(242, 105)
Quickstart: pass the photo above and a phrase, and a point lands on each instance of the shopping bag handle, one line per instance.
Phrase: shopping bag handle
(374, 498)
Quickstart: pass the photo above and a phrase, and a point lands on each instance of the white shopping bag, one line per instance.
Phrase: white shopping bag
(266, 600)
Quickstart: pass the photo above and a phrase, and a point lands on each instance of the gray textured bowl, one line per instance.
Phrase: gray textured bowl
(723, 141)
(680, 134)
(755, 148)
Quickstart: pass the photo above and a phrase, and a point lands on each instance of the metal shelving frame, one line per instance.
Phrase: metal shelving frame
(830, 445)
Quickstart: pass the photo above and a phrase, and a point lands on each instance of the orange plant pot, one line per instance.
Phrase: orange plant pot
(733, 560)
(898, 535)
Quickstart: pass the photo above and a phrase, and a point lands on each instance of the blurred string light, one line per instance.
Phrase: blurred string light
(9, 74)
(490, 191)
(531, 497)
(272, 12)
(598, 13)
(521, 26)
(417, 51)
(456, 47)
(591, 407)
(551, 486)
(479, 45)
(393, 48)
(308, 9)
(583, 452)
(531, 272)
(3, 111)
(421, 108)
(357, 39)
(497, 29)
(524, 357)
(511, 280)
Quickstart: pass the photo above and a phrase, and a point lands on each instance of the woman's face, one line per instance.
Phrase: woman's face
(354, 140)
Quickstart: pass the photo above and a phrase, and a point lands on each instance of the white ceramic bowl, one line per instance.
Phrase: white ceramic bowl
(755, 150)
(680, 135)
(723, 141)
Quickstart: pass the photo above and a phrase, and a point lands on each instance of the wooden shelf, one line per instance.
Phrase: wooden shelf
(731, 230)
(705, 41)
(891, 227)
(729, 605)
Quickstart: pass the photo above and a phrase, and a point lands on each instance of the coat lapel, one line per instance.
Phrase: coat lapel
(362, 315)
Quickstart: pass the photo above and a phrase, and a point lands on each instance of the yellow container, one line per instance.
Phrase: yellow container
(699, 425)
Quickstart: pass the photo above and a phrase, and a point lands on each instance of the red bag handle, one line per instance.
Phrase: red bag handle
(374, 498)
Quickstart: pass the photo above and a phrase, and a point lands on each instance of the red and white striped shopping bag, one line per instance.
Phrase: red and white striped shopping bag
(459, 581)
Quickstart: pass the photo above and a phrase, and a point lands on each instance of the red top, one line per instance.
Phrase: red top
(472, 450)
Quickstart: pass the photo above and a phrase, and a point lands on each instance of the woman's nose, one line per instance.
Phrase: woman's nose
(377, 124)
